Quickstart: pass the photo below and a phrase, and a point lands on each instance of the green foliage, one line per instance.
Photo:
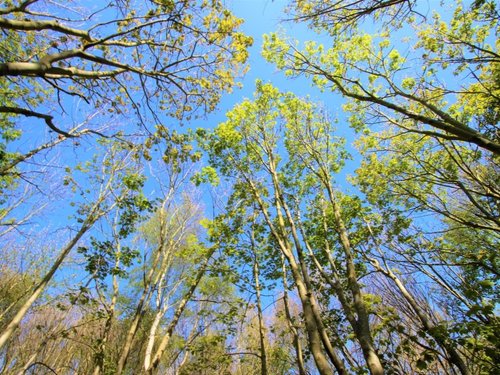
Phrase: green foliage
(133, 181)
(208, 356)
(206, 175)
(381, 83)
(104, 259)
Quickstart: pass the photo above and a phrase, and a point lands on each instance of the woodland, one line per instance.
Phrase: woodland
(358, 234)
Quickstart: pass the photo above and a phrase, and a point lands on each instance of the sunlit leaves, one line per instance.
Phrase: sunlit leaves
(385, 83)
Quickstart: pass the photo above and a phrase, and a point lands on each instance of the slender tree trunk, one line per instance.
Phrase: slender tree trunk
(256, 275)
(317, 314)
(127, 345)
(312, 328)
(162, 307)
(296, 339)
(151, 341)
(101, 354)
(14, 323)
(178, 313)
(361, 324)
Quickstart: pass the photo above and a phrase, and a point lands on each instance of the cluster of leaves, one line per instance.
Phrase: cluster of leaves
(102, 259)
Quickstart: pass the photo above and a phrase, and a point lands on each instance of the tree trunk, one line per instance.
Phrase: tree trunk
(293, 329)
(151, 341)
(178, 313)
(101, 354)
(14, 323)
(361, 324)
(256, 275)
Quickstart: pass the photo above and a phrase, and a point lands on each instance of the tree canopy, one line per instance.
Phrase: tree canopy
(356, 234)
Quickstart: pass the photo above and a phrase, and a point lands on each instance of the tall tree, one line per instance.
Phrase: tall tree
(109, 193)
(279, 150)
(184, 53)
(380, 81)
(82, 71)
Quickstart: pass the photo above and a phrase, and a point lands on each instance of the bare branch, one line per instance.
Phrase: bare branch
(28, 113)
(9, 24)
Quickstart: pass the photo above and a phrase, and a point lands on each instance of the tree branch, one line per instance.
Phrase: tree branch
(6, 23)
(28, 113)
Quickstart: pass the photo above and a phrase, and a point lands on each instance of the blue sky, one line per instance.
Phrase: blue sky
(262, 17)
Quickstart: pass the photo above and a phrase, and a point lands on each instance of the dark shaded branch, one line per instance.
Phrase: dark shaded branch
(28, 113)
(19, 8)
(41, 364)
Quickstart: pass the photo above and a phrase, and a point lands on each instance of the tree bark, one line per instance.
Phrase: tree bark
(16, 320)
(361, 324)
(256, 276)
(178, 313)
(296, 339)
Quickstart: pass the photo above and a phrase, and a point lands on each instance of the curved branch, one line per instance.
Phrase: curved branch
(28, 113)
(19, 8)
(41, 364)
(445, 122)
(6, 23)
